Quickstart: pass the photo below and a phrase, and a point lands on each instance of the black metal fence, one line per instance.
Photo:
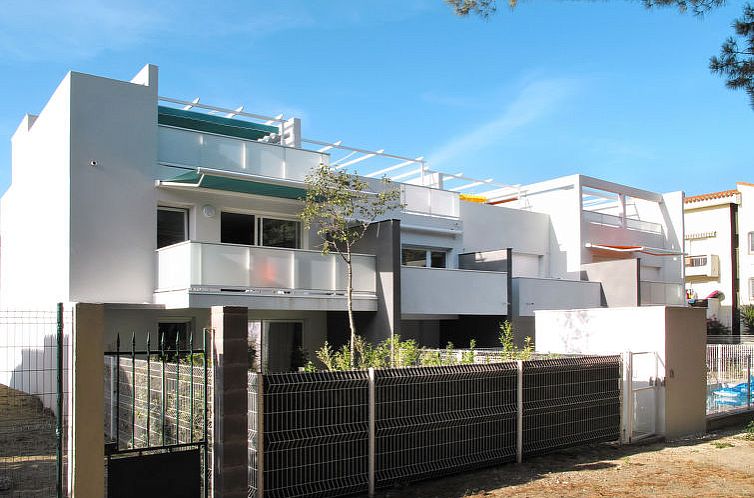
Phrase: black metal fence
(339, 433)
(34, 354)
(156, 403)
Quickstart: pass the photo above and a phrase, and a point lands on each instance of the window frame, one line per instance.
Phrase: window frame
(174, 209)
(427, 256)
(751, 242)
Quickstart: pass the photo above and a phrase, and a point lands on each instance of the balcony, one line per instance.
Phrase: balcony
(531, 294)
(200, 274)
(441, 291)
(430, 201)
(705, 265)
(197, 149)
(661, 293)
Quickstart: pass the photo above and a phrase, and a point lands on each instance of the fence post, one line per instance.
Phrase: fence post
(230, 363)
(260, 433)
(625, 390)
(372, 434)
(87, 452)
(520, 412)
(719, 361)
(748, 382)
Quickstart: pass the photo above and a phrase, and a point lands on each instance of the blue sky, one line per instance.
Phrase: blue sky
(607, 89)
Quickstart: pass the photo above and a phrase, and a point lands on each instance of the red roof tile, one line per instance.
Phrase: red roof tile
(711, 196)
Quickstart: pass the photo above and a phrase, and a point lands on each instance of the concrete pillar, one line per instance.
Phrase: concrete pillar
(87, 449)
(230, 365)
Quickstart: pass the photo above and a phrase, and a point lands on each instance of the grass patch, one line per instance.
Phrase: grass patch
(722, 444)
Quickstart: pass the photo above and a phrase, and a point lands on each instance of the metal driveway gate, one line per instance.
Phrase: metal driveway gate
(156, 418)
(641, 391)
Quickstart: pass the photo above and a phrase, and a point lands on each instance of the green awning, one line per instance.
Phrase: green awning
(213, 124)
(205, 180)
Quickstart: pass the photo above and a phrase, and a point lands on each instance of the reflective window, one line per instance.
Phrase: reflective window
(171, 226)
(414, 257)
(281, 233)
(237, 228)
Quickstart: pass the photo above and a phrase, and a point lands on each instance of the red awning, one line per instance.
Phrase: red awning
(652, 251)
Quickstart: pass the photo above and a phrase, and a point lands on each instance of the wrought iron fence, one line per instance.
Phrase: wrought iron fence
(34, 358)
(156, 400)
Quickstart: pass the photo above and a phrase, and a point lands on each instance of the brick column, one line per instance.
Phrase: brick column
(230, 365)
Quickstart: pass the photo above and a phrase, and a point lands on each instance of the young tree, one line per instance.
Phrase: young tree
(341, 208)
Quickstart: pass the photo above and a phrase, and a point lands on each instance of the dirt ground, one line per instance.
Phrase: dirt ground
(27, 446)
(720, 464)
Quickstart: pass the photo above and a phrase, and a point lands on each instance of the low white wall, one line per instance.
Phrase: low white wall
(530, 294)
(676, 334)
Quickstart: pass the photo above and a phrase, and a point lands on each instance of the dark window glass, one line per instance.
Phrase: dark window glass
(169, 332)
(171, 226)
(280, 233)
(437, 259)
(414, 257)
(237, 228)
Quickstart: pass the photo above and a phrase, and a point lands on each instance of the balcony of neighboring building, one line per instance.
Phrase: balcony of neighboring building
(202, 274)
(702, 265)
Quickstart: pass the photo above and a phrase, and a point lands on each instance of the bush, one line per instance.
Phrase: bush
(716, 327)
(747, 317)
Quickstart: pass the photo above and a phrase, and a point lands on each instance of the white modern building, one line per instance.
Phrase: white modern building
(163, 208)
(719, 244)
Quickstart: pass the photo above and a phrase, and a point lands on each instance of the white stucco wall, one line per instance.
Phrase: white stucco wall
(745, 254)
(113, 205)
(676, 334)
(35, 209)
(713, 218)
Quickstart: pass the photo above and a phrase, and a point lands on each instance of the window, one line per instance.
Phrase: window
(172, 226)
(237, 228)
(751, 288)
(751, 242)
(280, 233)
(169, 332)
(248, 229)
(428, 258)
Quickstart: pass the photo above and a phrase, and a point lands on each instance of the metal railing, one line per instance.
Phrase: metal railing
(729, 377)
(339, 433)
(35, 355)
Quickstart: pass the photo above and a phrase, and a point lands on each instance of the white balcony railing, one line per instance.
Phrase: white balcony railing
(192, 148)
(667, 293)
(430, 201)
(440, 291)
(705, 265)
(213, 267)
(610, 220)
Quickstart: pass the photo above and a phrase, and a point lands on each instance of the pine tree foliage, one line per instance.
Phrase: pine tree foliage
(736, 63)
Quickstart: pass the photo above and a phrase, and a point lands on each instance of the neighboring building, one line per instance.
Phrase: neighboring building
(719, 246)
(163, 208)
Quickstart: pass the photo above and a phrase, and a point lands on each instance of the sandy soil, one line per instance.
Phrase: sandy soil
(720, 464)
(27, 446)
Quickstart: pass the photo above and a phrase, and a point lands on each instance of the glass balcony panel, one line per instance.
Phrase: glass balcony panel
(315, 271)
(222, 153)
(224, 265)
(179, 146)
(265, 160)
(271, 268)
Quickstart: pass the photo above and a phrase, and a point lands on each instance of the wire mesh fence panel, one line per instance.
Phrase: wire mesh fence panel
(315, 430)
(253, 445)
(570, 402)
(144, 422)
(32, 458)
(729, 377)
(432, 420)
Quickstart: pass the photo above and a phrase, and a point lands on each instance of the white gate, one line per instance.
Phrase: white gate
(641, 390)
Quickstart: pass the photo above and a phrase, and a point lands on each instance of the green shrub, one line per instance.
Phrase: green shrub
(747, 317)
